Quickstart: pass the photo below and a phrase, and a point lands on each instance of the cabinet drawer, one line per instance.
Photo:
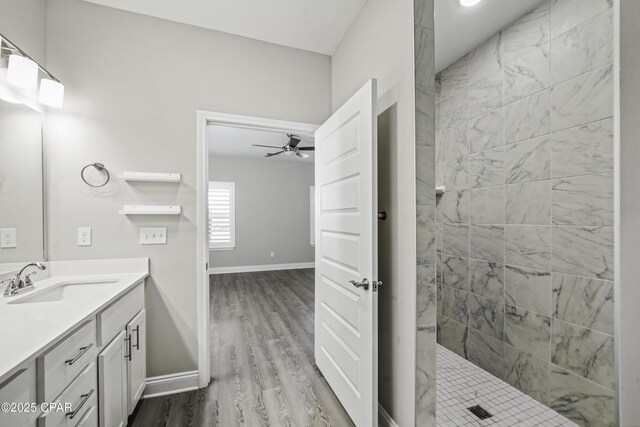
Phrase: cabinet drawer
(114, 318)
(82, 394)
(20, 388)
(60, 365)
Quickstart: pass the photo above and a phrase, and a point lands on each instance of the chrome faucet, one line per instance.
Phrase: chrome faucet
(17, 285)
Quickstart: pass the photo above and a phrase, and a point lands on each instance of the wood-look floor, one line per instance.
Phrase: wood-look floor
(263, 371)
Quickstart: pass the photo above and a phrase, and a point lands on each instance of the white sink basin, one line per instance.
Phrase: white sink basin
(63, 291)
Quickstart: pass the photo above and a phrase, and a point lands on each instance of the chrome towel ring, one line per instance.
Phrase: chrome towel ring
(100, 168)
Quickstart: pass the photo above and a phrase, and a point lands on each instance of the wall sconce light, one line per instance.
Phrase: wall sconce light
(22, 72)
(51, 93)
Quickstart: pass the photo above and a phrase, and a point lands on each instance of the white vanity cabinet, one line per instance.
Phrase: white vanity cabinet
(99, 367)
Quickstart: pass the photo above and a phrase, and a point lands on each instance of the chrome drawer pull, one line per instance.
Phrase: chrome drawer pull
(137, 344)
(84, 397)
(128, 341)
(83, 350)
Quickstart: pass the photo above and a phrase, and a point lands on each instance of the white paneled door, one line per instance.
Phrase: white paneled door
(346, 255)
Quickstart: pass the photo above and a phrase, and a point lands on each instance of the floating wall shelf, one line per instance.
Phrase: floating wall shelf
(440, 190)
(150, 177)
(150, 210)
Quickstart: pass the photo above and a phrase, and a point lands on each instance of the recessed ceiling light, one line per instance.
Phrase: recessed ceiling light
(469, 3)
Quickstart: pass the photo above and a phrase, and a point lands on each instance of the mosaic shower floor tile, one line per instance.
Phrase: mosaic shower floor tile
(462, 385)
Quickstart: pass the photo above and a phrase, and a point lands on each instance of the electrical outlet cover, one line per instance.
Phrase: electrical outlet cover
(8, 238)
(84, 236)
(153, 236)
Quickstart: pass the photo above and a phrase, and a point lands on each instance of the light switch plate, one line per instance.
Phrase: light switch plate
(8, 238)
(153, 236)
(84, 236)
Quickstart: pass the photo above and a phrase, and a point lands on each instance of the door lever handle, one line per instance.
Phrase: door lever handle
(363, 284)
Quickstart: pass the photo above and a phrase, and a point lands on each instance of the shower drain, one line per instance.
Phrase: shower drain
(480, 412)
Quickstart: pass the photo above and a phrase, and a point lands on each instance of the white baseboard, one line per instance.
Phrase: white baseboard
(384, 419)
(267, 267)
(171, 384)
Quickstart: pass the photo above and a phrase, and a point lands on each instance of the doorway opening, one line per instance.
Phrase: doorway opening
(285, 336)
(206, 119)
(259, 243)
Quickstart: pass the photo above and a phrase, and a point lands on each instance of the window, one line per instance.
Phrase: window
(222, 215)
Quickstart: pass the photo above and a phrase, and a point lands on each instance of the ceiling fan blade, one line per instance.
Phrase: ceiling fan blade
(293, 141)
(274, 154)
(306, 148)
(265, 146)
(309, 139)
(303, 155)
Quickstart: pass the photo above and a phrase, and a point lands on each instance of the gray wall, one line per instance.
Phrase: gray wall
(525, 145)
(272, 210)
(380, 45)
(24, 22)
(133, 85)
(627, 176)
(376, 46)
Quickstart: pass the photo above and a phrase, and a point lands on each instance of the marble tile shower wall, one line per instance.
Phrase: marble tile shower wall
(524, 146)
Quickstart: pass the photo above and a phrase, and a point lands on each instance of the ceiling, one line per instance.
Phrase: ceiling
(320, 25)
(237, 142)
(315, 25)
(459, 29)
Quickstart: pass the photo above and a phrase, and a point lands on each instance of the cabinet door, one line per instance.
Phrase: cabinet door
(137, 366)
(112, 382)
(90, 419)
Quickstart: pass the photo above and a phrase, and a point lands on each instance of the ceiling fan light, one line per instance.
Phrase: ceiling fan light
(22, 72)
(303, 155)
(289, 152)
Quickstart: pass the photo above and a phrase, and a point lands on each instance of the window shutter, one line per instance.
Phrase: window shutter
(222, 233)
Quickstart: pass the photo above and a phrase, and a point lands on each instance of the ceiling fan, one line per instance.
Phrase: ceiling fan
(290, 149)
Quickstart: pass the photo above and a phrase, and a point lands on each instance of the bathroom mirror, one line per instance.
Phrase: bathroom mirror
(21, 185)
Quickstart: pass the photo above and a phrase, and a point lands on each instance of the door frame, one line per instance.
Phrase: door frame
(205, 118)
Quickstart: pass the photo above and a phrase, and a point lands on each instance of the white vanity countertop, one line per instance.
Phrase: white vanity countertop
(27, 330)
